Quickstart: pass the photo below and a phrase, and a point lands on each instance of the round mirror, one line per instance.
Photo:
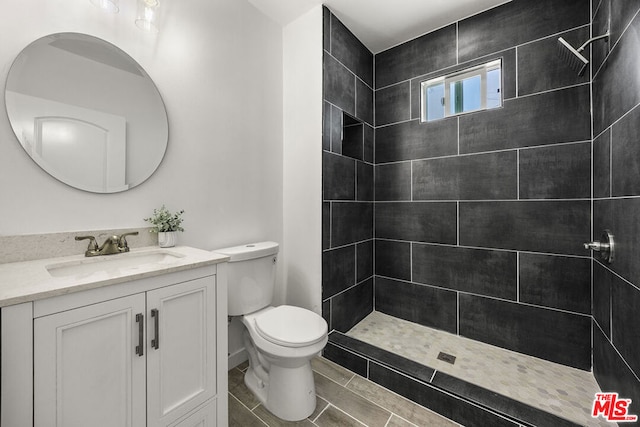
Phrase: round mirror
(86, 112)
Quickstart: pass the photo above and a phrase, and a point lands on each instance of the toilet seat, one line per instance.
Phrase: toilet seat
(291, 326)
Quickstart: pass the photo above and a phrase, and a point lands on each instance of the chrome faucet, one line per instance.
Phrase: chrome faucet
(112, 245)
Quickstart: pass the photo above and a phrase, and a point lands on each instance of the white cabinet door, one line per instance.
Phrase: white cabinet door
(86, 369)
(181, 359)
(203, 417)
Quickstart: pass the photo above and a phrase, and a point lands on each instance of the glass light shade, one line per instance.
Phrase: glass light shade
(108, 5)
(147, 15)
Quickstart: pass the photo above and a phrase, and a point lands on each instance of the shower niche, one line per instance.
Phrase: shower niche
(356, 139)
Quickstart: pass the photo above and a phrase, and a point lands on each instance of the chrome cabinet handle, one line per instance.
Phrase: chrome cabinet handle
(155, 342)
(140, 346)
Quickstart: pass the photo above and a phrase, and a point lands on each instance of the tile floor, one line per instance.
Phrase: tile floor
(343, 399)
(561, 390)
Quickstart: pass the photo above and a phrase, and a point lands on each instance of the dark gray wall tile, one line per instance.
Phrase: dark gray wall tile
(336, 129)
(508, 77)
(560, 172)
(547, 118)
(625, 306)
(326, 313)
(326, 126)
(518, 22)
(364, 182)
(416, 303)
(326, 222)
(346, 48)
(548, 334)
(616, 88)
(559, 227)
(392, 104)
(416, 221)
(621, 217)
(338, 176)
(415, 140)
(351, 222)
(364, 260)
(419, 56)
(556, 281)
(364, 102)
(611, 372)
(369, 135)
(612, 16)
(351, 306)
(326, 29)
(602, 165)
(339, 85)
(393, 181)
(625, 155)
(443, 403)
(345, 358)
(603, 280)
(540, 68)
(393, 259)
(478, 271)
(479, 177)
(338, 270)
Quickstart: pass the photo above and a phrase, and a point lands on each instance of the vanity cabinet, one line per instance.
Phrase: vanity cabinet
(150, 352)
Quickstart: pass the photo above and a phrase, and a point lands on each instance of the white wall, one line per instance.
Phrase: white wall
(302, 40)
(218, 66)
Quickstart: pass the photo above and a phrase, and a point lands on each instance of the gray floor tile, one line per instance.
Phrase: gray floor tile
(240, 390)
(331, 370)
(355, 405)
(397, 404)
(273, 421)
(332, 417)
(396, 421)
(240, 416)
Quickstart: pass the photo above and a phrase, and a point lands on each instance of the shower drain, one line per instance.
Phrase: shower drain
(445, 357)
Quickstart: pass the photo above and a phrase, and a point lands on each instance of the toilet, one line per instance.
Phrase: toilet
(280, 341)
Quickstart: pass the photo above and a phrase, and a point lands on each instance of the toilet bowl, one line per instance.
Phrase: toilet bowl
(280, 341)
(279, 372)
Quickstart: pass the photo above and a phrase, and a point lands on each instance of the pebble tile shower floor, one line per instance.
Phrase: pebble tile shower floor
(343, 399)
(560, 390)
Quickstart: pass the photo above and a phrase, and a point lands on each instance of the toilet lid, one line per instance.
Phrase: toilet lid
(291, 326)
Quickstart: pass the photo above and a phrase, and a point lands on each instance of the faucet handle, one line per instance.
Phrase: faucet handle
(122, 241)
(93, 245)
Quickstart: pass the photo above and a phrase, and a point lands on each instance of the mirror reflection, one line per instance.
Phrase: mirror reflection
(86, 112)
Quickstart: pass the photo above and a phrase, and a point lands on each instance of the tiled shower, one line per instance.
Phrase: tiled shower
(475, 224)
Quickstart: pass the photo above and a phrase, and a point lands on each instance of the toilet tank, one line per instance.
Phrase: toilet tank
(251, 276)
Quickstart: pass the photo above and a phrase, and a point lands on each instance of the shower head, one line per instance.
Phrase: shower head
(572, 56)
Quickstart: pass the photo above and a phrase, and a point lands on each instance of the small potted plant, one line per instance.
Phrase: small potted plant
(166, 224)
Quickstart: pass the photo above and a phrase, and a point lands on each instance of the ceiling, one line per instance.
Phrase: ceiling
(381, 24)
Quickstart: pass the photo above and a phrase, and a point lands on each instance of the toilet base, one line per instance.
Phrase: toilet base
(289, 393)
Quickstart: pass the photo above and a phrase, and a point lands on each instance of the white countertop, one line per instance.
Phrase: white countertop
(30, 280)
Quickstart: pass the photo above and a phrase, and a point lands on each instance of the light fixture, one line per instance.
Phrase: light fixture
(108, 5)
(147, 15)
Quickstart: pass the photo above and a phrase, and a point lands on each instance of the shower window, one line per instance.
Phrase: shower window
(474, 89)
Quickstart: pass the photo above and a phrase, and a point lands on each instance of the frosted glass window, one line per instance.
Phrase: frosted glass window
(474, 89)
(435, 95)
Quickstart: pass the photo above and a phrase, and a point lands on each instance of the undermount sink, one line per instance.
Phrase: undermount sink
(112, 264)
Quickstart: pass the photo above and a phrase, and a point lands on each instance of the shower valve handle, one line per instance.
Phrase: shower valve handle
(605, 246)
(596, 246)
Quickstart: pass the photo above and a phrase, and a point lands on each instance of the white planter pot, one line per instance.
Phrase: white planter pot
(167, 239)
